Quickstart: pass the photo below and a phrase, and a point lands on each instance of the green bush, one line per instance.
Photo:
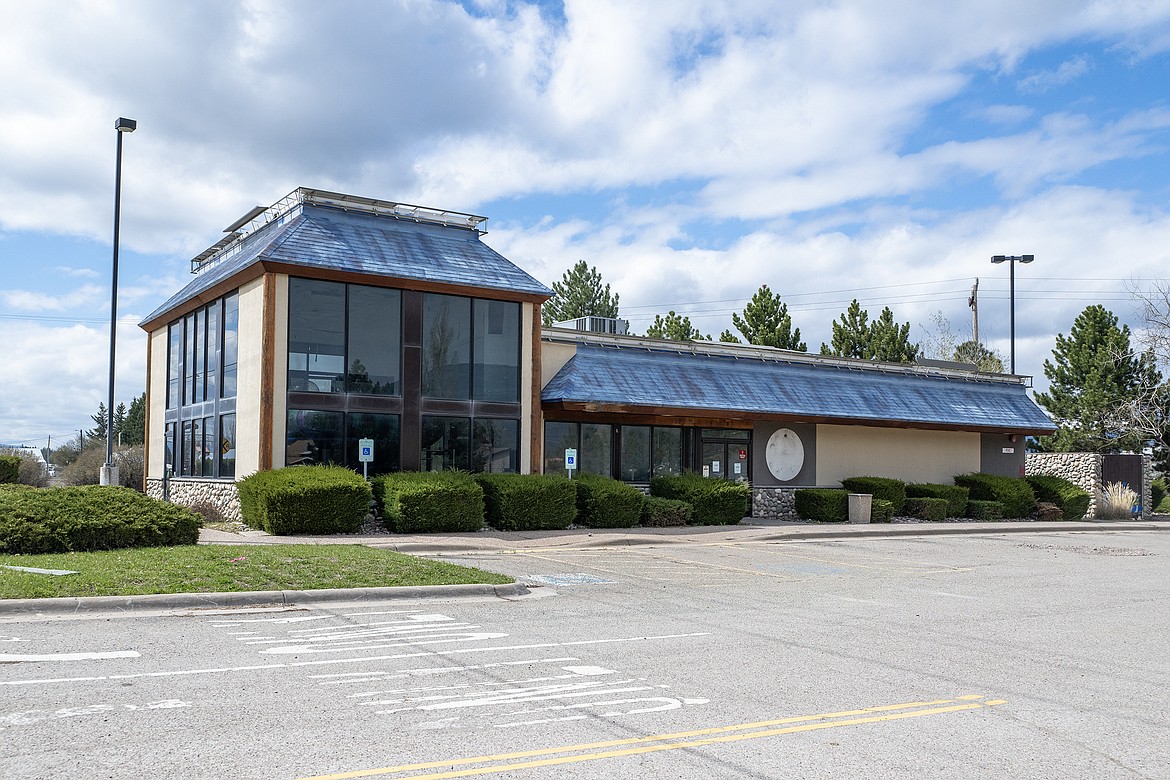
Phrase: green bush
(77, 519)
(881, 511)
(528, 502)
(956, 496)
(925, 508)
(305, 500)
(661, 512)
(414, 502)
(823, 505)
(1014, 493)
(9, 469)
(1073, 502)
(892, 490)
(984, 510)
(603, 502)
(1157, 492)
(713, 501)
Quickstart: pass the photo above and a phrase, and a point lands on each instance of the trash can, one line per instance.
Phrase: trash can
(860, 505)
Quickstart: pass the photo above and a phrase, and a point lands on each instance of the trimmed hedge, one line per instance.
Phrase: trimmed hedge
(423, 502)
(89, 517)
(305, 500)
(1157, 492)
(9, 469)
(881, 511)
(892, 490)
(662, 512)
(824, 505)
(1014, 493)
(603, 502)
(956, 496)
(528, 502)
(984, 510)
(926, 508)
(714, 501)
(1073, 502)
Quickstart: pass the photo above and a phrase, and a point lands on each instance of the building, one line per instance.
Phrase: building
(329, 318)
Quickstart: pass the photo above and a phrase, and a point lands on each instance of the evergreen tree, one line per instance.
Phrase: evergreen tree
(766, 322)
(675, 328)
(984, 359)
(99, 431)
(579, 294)
(1092, 374)
(727, 337)
(889, 341)
(133, 428)
(851, 334)
(119, 420)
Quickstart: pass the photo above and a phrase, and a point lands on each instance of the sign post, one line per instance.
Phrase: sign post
(570, 461)
(365, 455)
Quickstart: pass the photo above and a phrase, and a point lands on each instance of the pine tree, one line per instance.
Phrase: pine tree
(984, 359)
(133, 428)
(675, 328)
(579, 294)
(766, 322)
(99, 431)
(727, 337)
(889, 341)
(851, 334)
(1094, 372)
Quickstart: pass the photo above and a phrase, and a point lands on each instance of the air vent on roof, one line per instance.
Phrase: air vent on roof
(591, 324)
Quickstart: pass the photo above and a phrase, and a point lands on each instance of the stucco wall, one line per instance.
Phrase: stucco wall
(156, 437)
(912, 455)
(553, 357)
(250, 341)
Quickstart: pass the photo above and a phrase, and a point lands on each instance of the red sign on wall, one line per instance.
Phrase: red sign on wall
(743, 454)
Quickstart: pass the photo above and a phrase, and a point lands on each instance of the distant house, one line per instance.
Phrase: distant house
(328, 318)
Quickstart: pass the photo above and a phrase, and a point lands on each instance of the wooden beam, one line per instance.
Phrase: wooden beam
(536, 435)
(267, 372)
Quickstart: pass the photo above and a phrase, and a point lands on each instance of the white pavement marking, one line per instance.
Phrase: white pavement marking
(7, 658)
(28, 717)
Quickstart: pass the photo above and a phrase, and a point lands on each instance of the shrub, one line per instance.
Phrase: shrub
(528, 502)
(76, 519)
(661, 512)
(86, 469)
(9, 469)
(892, 490)
(1117, 502)
(1073, 502)
(1047, 511)
(926, 508)
(1157, 492)
(603, 502)
(713, 501)
(824, 505)
(305, 500)
(956, 496)
(1014, 493)
(881, 511)
(984, 510)
(429, 502)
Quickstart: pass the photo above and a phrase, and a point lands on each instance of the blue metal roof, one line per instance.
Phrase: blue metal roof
(321, 237)
(642, 377)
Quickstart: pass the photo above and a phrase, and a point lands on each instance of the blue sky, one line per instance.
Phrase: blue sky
(690, 150)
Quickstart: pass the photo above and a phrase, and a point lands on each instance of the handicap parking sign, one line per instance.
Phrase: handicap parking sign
(570, 459)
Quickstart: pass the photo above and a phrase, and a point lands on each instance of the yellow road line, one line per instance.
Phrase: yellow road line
(714, 735)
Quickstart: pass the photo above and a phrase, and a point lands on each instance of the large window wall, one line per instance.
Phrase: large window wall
(633, 453)
(200, 420)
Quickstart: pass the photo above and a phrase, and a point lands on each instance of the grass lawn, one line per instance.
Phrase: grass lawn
(227, 568)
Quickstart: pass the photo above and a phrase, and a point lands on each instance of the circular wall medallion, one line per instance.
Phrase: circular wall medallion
(784, 454)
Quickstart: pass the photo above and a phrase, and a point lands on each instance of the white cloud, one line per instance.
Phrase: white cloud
(1068, 71)
(38, 302)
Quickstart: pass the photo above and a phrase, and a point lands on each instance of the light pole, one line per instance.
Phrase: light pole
(109, 472)
(1011, 260)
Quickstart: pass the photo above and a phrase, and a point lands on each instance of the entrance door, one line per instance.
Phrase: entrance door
(725, 460)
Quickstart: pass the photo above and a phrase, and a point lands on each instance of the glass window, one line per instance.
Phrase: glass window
(496, 446)
(314, 438)
(635, 466)
(384, 430)
(497, 351)
(446, 354)
(667, 451)
(189, 360)
(375, 341)
(187, 448)
(212, 371)
(174, 364)
(200, 342)
(596, 452)
(558, 437)
(227, 445)
(316, 336)
(231, 325)
(169, 448)
(446, 443)
(208, 448)
(726, 433)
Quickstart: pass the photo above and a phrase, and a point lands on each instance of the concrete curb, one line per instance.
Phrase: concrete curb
(286, 598)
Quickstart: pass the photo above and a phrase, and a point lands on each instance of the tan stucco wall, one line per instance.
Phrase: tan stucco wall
(526, 353)
(156, 436)
(553, 356)
(250, 340)
(912, 455)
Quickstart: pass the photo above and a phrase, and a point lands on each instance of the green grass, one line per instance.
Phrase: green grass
(227, 569)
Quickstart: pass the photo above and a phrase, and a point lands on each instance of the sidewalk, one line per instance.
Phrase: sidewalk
(492, 541)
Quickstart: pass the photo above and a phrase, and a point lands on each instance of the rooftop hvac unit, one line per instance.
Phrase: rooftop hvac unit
(591, 324)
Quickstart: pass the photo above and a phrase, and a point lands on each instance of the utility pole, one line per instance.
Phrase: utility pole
(973, 302)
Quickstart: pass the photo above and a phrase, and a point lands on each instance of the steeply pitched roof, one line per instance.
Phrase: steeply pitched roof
(628, 376)
(325, 237)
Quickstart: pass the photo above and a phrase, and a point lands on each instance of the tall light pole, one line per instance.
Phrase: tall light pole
(1011, 260)
(109, 472)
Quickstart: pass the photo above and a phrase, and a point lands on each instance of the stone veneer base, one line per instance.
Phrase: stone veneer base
(218, 493)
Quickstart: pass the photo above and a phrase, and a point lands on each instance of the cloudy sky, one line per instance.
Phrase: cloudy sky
(690, 150)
